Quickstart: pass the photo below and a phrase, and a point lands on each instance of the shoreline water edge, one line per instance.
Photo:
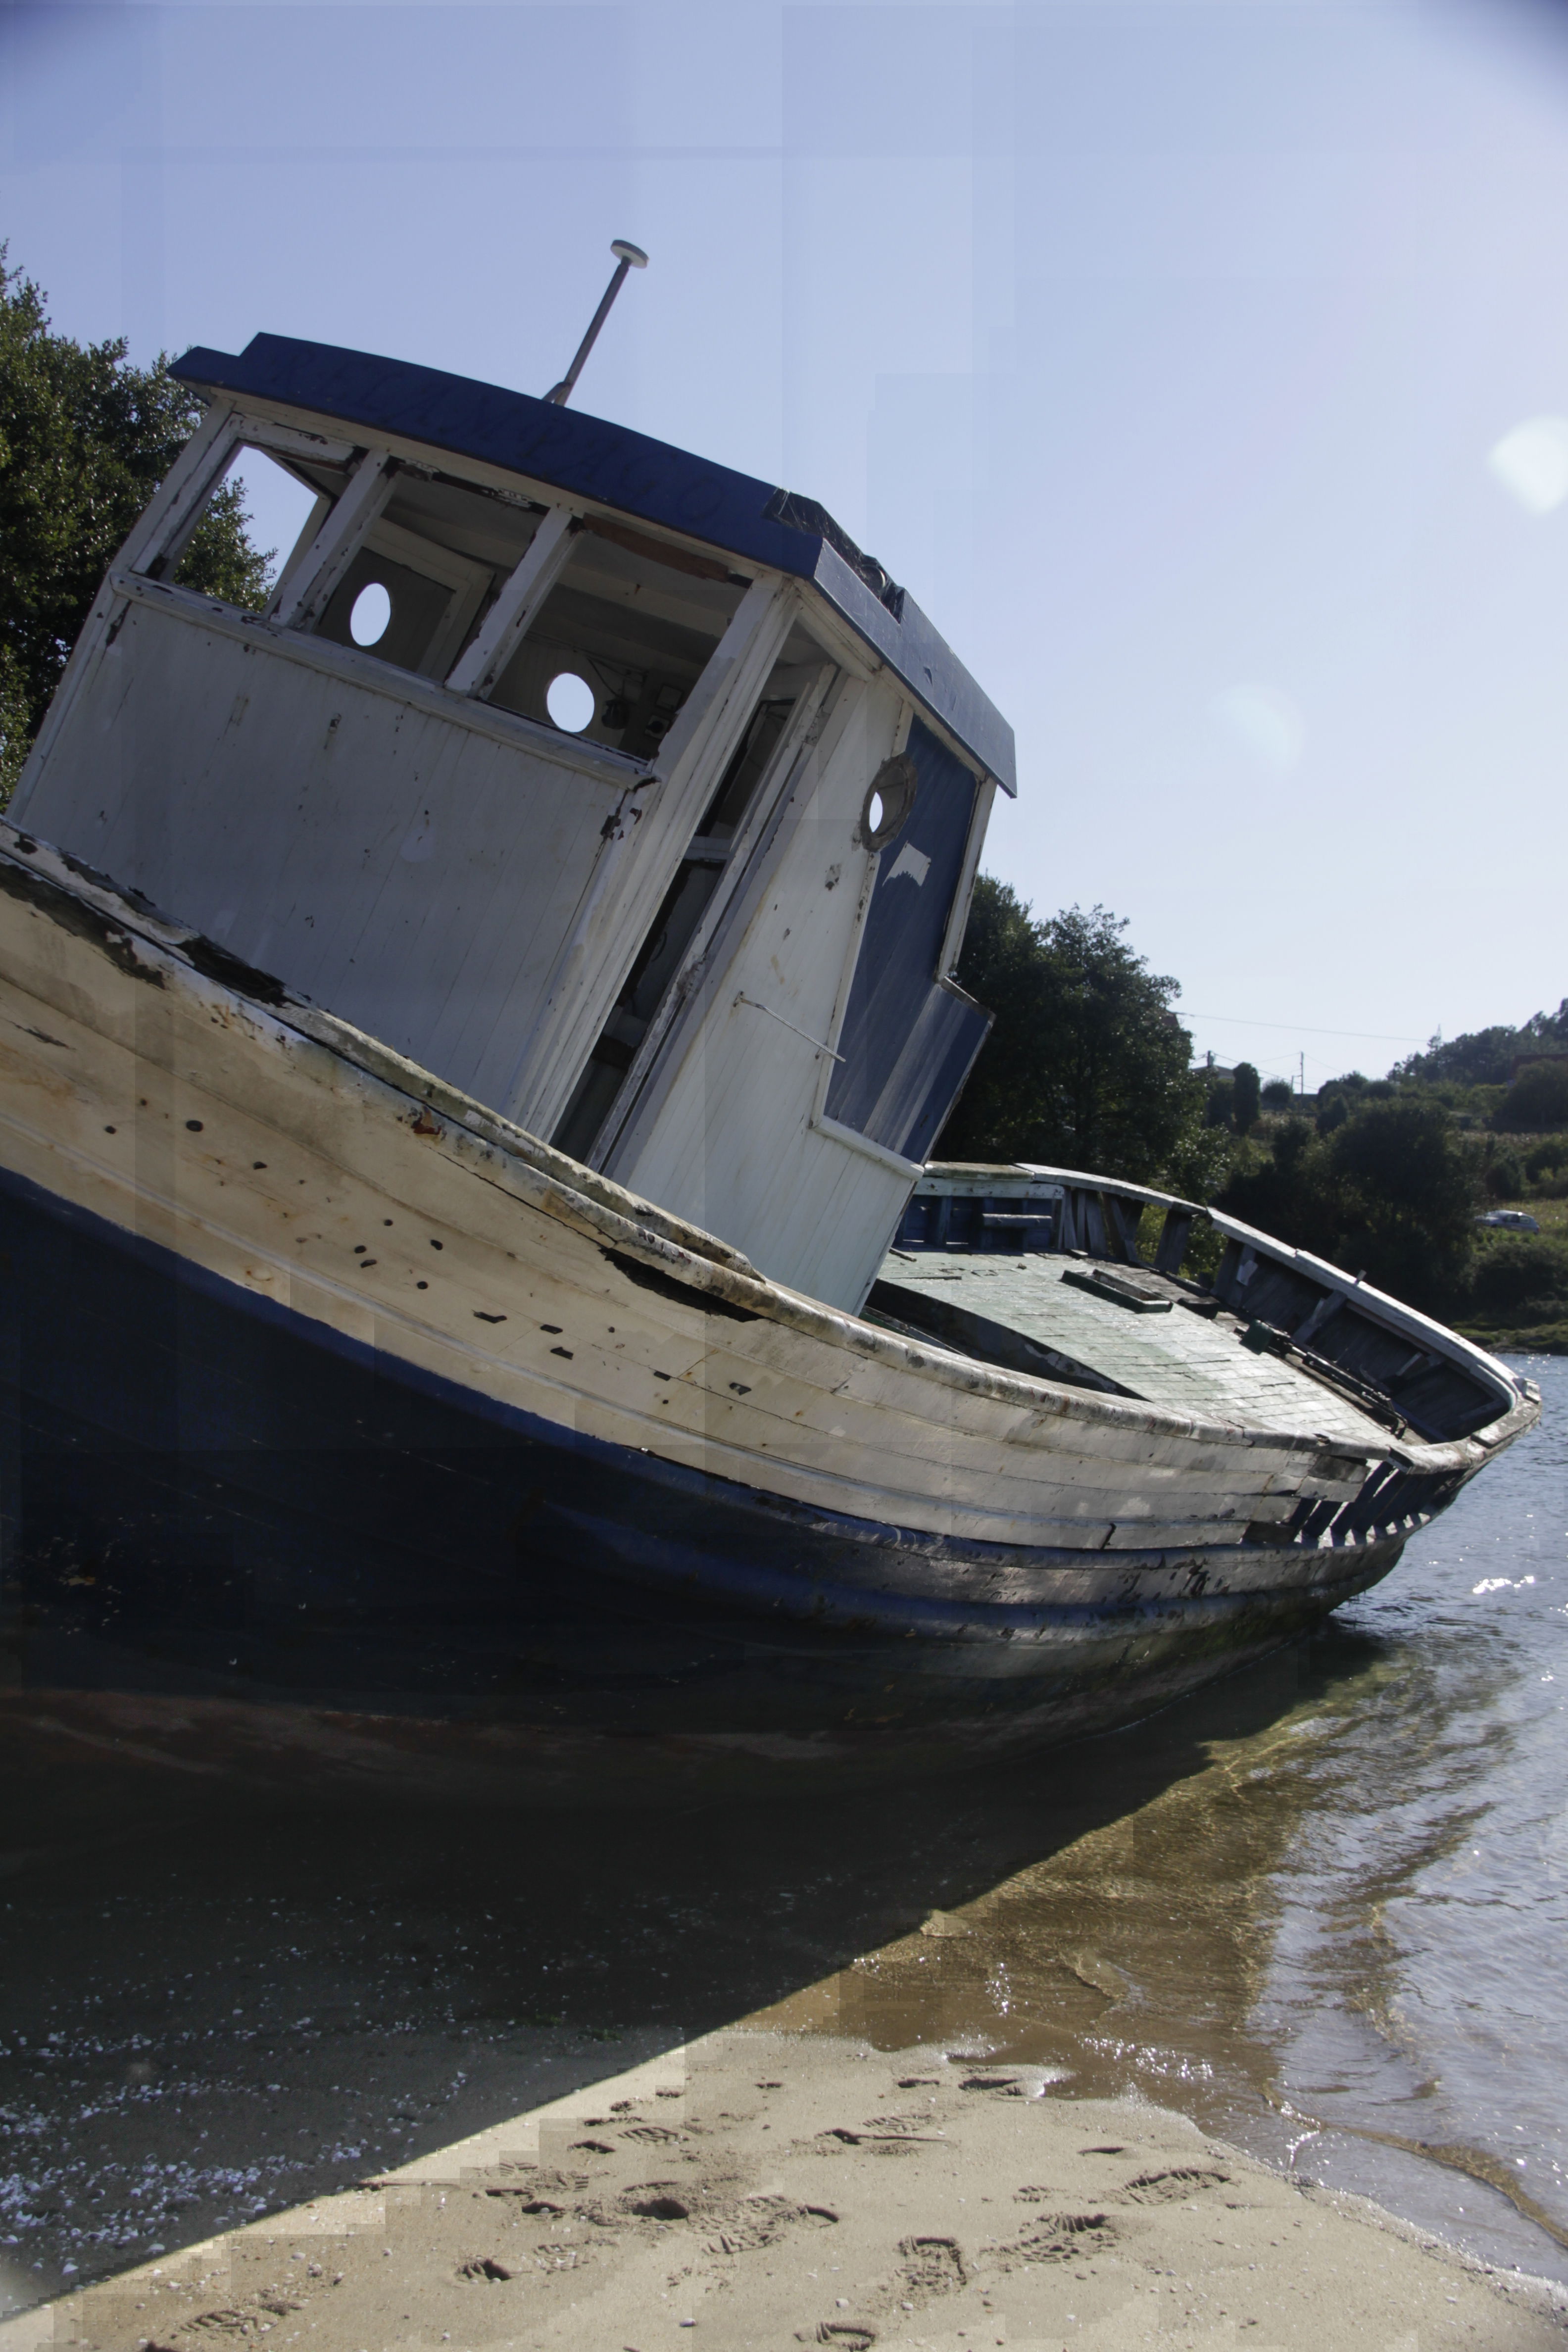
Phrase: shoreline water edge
(758, 2188)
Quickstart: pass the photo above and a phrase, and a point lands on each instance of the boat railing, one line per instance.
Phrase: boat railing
(1286, 1301)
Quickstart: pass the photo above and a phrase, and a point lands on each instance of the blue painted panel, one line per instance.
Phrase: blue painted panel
(585, 456)
(953, 1030)
(907, 1041)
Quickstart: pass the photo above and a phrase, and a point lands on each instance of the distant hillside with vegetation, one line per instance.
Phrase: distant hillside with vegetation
(1088, 1065)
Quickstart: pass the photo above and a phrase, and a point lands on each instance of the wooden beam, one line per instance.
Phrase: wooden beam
(507, 620)
(659, 550)
(161, 535)
(1172, 1246)
(310, 590)
(303, 543)
(1118, 1242)
(288, 441)
(1309, 1327)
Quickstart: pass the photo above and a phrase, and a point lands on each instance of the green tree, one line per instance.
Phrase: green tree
(1292, 1193)
(1408, 1198)
(1391, 1191)
(1485, 1057)
(1244, 1097)
(1537, 1100)
(84, 439)
(1086, 1066)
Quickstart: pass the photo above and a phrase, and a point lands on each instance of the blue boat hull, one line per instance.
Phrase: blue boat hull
(211, 1499)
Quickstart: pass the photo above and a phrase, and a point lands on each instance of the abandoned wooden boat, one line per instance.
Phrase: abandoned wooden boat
(450, 1166)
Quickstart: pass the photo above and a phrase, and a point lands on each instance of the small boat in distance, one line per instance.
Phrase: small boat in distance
(472, 1283)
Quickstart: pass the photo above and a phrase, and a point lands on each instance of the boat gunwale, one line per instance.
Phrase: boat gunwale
(561, 1187)
(1376, 1306)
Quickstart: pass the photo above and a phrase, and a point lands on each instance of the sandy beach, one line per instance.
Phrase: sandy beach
(761, 2189)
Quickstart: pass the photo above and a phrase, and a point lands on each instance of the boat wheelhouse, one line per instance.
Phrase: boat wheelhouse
(704, 942)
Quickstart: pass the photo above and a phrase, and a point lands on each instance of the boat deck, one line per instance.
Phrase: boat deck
(1025, 1312)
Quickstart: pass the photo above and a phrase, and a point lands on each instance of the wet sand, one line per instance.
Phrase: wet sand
(760, 2188)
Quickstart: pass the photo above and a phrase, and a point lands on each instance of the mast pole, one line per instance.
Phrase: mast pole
(630, 257)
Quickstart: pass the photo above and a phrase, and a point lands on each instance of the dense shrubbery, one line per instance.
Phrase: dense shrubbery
(1546, 1161)
(1521, 1278)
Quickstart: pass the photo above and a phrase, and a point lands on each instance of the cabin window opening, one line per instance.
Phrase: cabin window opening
(372, 615)
(637, 621)
(278, 507)
(889, 798)
(436, 547)
(571, 702)
(439, 590)
(665, 951)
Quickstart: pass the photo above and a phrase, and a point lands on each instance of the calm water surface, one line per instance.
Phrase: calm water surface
(1323, 1906)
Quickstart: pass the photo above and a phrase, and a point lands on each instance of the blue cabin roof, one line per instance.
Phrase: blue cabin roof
(585, 456)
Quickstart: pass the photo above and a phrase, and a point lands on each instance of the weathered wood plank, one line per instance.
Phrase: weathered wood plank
(305, 596)
(1172, 1246)
(507, 621)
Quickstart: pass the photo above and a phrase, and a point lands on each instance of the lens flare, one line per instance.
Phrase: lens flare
(1264, 722)
(1531, 463)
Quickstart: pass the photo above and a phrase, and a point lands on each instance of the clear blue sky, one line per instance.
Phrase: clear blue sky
(1162, 350)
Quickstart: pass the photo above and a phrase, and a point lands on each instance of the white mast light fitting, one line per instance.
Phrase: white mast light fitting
(628, 256)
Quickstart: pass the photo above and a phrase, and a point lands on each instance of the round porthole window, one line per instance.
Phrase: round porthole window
(372, 615)
(571, 702)
(889, 797)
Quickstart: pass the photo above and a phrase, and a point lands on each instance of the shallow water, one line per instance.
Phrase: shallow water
(1342, 1941)
(1321, 1905)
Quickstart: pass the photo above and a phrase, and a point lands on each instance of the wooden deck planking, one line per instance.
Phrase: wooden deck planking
(1178, 1359)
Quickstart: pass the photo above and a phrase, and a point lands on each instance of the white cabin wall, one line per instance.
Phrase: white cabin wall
(411, 872)
(731, 1142)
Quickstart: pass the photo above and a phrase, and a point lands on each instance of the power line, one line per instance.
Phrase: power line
(1306, 1028)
